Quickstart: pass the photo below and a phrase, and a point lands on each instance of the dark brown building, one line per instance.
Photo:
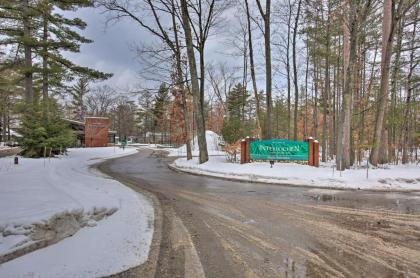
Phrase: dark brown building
(93, 132)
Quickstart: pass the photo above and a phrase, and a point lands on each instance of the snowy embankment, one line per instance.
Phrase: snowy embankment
(395, 177)
(7, 151)
(89, 225)
(213, 147)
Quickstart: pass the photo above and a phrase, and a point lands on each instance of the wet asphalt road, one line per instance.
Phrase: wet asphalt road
(259, 230)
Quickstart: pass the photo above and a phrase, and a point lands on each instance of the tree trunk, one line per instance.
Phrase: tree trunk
(288, 70)
(182, 90)
(326, 98)
(409, 89)
(202, 76)
(268, 76)
(334, 126)
(315, 118)
(362, 107)
(388, 35)
(315, 83)
(45, 101)
(349, 54)
(394, 81)
(29, 95)
(337, 95)
(252, 69)
(295, 77)
(330, 123)
(305, 127)
(197, 100)
(268, 85)
(4, 116)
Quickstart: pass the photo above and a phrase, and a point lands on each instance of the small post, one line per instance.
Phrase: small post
(243, 151)
(367, 168)
(310, 141)
(340, 167)
(248, 149)
(45, 153)
(316, 153)
(16, 160)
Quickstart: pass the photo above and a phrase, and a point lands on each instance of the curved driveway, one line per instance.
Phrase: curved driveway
(260, 230)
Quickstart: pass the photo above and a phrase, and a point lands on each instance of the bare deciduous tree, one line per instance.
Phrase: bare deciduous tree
(197, 99)
(252, 70)
(168, 36)
(266, 15)
(100, 100)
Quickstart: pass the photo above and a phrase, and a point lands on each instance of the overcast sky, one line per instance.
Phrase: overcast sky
(112, 51)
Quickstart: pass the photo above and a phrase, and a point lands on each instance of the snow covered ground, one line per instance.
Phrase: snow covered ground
(213, 147)
(93, 225)
(395, 177)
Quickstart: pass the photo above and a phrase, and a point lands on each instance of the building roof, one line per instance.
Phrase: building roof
(74, 122)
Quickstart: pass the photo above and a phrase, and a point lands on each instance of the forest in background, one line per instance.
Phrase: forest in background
(344, 72)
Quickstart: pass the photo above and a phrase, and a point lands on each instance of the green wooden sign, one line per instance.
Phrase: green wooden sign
(279, 149)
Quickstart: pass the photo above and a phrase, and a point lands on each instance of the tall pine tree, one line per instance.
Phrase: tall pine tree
(40, 33)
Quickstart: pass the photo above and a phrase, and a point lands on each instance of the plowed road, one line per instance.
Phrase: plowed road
(218, 228)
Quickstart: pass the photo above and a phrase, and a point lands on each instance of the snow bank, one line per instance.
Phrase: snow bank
(213, 148)
(96, 225)
(401, 177)
(8, 151)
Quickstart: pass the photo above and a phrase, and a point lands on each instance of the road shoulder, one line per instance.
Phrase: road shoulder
(331, 183)
(172, 252)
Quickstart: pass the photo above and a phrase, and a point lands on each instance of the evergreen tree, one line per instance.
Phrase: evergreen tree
(17, 29)
(145, 112)
(9, 79)
(44, 32)
(58, 34)
(38, 135)
(78, 93)
(33, 132)
(236, 126)
(39, 32)
(161, 102)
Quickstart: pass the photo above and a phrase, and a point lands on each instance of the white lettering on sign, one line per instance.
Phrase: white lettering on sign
(278, 148)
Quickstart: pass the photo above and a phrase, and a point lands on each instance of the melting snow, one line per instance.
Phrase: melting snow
(98, 225)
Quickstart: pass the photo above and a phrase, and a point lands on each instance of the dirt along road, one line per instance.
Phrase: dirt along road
(220, 228)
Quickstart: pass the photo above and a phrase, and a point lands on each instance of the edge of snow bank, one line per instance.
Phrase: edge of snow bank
(55, 229)
(34, 262)
(149, 266)
(252, 178)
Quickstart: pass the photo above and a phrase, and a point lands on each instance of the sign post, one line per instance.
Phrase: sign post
(310, 141)
(316, 153)
(243, 151)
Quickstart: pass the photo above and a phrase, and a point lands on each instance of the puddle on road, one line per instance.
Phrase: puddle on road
(325, 197)
(407, 203)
